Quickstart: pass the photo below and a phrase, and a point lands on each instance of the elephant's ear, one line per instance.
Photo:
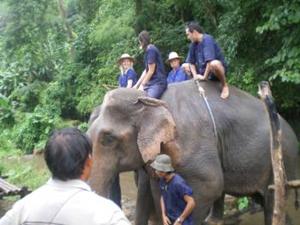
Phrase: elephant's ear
(157, 126)
(94, 115)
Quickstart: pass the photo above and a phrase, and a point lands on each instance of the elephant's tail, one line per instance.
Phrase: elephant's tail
(297, 201)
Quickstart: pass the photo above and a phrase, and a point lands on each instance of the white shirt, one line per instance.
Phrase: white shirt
(64, 203)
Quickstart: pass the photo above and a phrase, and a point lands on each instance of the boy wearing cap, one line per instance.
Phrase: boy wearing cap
(128, 77)
(176, 201)
(177, 74)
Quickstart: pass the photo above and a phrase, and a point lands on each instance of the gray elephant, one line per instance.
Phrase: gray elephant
(132, 129)
(144, 203)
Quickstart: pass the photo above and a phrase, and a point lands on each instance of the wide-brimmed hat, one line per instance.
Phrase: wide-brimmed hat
(163, 163)
(125, 56)
(173, 55)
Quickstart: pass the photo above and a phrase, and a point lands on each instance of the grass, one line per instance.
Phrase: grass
(28, 170)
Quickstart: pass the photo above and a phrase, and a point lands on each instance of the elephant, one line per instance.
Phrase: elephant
(230, 156)
(144, 202)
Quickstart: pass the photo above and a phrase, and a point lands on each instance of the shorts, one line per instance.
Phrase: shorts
(156, 90)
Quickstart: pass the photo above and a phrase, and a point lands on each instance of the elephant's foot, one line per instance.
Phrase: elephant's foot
(213, 221)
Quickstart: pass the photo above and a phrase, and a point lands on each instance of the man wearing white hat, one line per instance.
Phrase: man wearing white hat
(177, 74)
(176, 201)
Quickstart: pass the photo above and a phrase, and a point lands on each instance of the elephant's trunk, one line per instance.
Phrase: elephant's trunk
(101, 178)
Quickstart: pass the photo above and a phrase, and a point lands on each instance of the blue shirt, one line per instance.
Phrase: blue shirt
(129, 75)
(177, 75)
(173, 194)
(203, 52)
(153, 56)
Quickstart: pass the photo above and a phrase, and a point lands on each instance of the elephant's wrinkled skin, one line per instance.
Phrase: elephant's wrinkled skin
(131, 130)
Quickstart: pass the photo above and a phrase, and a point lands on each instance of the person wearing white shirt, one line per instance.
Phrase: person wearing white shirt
(66, 199)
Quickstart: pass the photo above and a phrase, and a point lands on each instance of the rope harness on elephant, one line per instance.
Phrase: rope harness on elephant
(202, 94)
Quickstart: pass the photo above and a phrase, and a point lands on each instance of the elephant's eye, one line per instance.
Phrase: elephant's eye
(108, 139)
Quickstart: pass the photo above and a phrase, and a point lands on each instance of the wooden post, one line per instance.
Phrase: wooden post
(276, 155)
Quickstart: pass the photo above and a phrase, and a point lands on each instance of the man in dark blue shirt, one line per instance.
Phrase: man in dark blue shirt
(205, 59)
(176, 201)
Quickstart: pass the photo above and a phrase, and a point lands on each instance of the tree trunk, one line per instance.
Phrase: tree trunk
(276, 154)
(139, 16)
(67, 26)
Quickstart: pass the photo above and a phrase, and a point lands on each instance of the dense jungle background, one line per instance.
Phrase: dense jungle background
(58, 58)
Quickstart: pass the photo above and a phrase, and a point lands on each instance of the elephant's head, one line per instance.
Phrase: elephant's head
(126, 134)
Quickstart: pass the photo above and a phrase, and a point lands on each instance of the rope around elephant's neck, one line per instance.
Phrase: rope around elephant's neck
(202, 94)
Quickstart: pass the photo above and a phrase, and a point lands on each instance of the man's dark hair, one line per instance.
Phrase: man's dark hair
(66, 152)
(191, 26)
(144, 38)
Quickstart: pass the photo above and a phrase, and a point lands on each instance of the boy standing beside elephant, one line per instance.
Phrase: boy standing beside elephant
(176, 200)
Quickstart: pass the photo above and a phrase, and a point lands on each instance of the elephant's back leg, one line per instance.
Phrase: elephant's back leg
(207, 188)
(215, 216)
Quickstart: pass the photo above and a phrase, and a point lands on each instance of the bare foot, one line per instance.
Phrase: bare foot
(225, 92)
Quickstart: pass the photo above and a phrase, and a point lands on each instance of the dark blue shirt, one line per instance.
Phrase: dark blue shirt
(201, 53)
(173, 194)
(177, 75)
(153, 56)
(129, 75)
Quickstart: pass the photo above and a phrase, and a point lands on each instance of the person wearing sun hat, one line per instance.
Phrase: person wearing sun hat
(128, 76)
(126, 79)
(177, 74)
(177, 202)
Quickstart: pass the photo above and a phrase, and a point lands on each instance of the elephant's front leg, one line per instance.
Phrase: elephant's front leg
(144, 202)
(156, 199)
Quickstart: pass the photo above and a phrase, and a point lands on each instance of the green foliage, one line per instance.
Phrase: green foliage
(7, 145)
(6, 111)
(242, 203)
(83, 127)
(246, 80)
(284, 18)
(28, 96)
(29, 171)
(27, 43)
(35, 128)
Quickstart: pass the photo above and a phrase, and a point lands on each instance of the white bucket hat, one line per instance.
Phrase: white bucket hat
(173, 55)
(125, 56)
(162, 163)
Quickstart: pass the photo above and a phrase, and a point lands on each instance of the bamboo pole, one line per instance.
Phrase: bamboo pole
(279, 213)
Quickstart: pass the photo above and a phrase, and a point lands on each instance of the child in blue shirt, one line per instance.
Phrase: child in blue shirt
(128, 77)
(176, 200)
(177, 74)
